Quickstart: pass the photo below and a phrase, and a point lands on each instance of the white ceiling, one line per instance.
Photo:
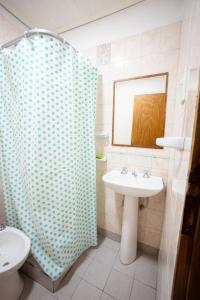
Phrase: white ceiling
(62, 15)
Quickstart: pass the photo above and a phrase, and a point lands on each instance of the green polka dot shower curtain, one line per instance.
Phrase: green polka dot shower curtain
(47, 116)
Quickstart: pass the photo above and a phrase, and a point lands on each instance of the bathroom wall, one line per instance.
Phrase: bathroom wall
(10, 28)
(150, 52)
(179, 163)
(144, 16)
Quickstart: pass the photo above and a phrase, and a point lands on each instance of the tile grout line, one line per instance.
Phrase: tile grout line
(131, 288)
(108, 274)
(150, 286)
(93, 258)
(111, 270)
(82, 277)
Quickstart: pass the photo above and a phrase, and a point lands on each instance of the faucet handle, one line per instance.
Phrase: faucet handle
(124, 170)
(147, 174)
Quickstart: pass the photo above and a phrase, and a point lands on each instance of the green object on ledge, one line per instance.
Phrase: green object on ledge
(99, 156)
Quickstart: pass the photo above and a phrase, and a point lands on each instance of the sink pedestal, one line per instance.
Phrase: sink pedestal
(133, 187)
(128, 250)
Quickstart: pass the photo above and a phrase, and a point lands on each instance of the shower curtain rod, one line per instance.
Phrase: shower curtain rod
(34, 31)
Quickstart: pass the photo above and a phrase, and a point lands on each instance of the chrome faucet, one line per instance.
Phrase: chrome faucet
(124, 170)
(2, 226)
(147, 174)
(134, 173)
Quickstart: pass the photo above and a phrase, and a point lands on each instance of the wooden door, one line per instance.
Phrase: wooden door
(148, 119)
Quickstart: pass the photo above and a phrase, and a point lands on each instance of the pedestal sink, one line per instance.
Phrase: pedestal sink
(133, 187)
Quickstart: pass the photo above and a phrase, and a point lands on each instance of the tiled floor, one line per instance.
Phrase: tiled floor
(99, 274)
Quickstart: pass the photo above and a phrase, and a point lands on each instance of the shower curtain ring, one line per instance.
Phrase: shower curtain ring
(26, 34)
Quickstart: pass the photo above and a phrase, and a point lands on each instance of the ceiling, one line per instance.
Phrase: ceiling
(63, 15)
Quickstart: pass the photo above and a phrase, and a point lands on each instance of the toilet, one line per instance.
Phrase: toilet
(14, 249)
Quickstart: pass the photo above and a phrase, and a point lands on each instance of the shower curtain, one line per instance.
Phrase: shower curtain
(47, 115)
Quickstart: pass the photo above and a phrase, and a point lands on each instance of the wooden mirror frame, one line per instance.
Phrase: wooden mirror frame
(113, 112)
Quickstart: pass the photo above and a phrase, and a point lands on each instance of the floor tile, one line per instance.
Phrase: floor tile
(106, 297)
(34, 291)
(85, 291)
(99, 268)
(97, 274)
(114, 245)
(91, 252)
(119, 285)
(126, 269)
(68, 286)
(105, 255)
(142, 292)
(146, 270)
(80, 266)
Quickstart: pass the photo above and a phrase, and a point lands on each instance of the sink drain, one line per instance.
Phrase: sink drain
(6, 264)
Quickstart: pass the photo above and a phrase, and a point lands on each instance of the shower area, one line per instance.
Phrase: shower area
(47, 148)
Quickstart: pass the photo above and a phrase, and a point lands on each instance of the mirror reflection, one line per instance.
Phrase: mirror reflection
(139, 106)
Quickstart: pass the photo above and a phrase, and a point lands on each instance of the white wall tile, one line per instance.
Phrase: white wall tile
(134, 56)
(170, 37)
(150, 42)
(179, 160)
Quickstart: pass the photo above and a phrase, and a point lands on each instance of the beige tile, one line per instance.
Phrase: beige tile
(91, 252)
(97, 274)
(159, 163)
(119, 285)
(168, 62)
(33, 290)
(117, 51)
(113, 245)
(142, 215)
(132, 47)
(85, 291)
(157, 202)
(161, 173)
(103, 54)
(154, 219)
(170, 37)
(105, 255)
(142, 292)
(146, 270)
(106, 297)
(131, 68)
(152, 237)
(125, 269)
(149, 64)
(142, 161)
(113, 221)
(68, 287)
(117, 70)
(150, 42)
(81, 265)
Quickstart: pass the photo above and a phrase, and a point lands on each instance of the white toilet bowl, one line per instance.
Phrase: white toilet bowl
(14, 249)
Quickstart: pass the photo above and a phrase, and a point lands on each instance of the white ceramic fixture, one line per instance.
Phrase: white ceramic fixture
(133, 187)
(101, 134)
(14, 249)
(171, 142)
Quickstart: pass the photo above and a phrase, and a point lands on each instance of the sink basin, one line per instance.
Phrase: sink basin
(127, 184)
(132, 187)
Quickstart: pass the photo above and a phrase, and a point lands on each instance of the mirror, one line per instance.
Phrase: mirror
(139, 106)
